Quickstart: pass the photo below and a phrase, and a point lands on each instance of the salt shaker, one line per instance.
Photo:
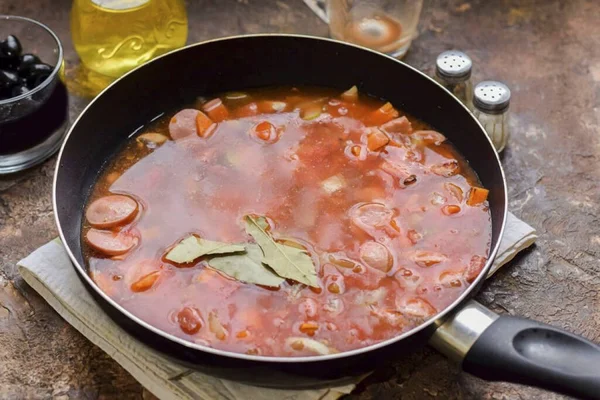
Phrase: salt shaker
(453, 71)
(491, 100)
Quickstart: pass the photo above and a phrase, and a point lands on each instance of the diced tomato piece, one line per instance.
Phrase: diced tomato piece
(204, 125)
(477, 196)
(216, 110)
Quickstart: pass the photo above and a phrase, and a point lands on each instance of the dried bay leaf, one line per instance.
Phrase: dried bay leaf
(246, 267)
(194, 247)
(287, 262)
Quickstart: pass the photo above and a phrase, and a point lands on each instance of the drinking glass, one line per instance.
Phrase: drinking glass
(388, 26)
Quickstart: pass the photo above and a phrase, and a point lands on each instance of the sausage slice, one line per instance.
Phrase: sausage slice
(110, 243)
(110, 211)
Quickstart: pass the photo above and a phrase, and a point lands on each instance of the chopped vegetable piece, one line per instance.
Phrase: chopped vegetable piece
(477, 196)
(310, 111)
(286, 261)
(247, 267)
(447, 169)
(189, 320)
(455, 190)
(194, 247)
(383, 114)
(268, 106)
(414, 236)
(233, 96)
(204, 125)
(333, 184)
(341, 262)
(356, 150)
(215, 326)
(216, 110)
(152, 140)
(451, 209)
(450, 279)
(145, 282)
(300, 343)
(429, 137)
(309, 328)
(376, 139)
(424, 258)
(350, 95)
(418, 307)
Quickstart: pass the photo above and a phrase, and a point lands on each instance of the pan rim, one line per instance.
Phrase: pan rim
(437, 319)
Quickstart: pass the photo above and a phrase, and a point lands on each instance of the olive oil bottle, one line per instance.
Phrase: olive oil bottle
(115, 36)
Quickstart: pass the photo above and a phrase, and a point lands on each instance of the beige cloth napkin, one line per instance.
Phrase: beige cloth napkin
(48, 270)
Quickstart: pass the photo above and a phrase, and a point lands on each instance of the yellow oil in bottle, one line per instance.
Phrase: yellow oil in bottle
(115, 36)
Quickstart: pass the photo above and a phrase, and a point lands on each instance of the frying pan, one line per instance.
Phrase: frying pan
(486, 345)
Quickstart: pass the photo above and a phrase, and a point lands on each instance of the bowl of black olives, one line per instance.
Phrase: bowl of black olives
(33, 100)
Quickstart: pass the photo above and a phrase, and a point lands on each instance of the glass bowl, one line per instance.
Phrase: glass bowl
(32, 125)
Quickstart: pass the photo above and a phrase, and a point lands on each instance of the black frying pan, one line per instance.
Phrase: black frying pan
(488, 346)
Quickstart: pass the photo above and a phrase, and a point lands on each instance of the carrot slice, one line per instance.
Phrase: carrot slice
(216, 110)
(383, 114)
(377, 140)
(203, 124)
(477, 196)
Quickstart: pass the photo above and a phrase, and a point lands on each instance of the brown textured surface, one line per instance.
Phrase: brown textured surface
(549, 54)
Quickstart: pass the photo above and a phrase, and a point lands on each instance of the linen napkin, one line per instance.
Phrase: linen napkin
(48, 270)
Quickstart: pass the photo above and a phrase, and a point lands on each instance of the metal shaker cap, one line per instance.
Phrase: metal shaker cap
(454, 65)
(491, 96)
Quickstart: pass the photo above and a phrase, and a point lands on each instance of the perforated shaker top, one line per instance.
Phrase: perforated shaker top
(491, 96)
(454, 64)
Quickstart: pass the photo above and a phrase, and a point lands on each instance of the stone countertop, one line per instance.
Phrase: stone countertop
(548, 52)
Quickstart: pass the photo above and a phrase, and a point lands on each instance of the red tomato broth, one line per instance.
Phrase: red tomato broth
(205, 185)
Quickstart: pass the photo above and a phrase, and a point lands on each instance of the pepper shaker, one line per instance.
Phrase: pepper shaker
(491, 100)
(453, 71)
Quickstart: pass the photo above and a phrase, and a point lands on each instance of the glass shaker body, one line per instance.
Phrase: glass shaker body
(453, 71)
(491, 100)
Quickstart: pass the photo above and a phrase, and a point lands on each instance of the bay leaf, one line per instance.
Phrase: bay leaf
(194, 247)
(286, 261)
(246, 267)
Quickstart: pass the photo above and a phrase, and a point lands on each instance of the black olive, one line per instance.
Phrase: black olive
(8, 79)
(11, 46)
(19, 90)
(26, 61)
(36, 74)
(38, 80)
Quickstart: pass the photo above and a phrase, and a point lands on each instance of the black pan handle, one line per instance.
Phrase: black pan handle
(518, 350)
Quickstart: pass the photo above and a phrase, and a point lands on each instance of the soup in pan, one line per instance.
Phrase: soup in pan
(287, 222)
